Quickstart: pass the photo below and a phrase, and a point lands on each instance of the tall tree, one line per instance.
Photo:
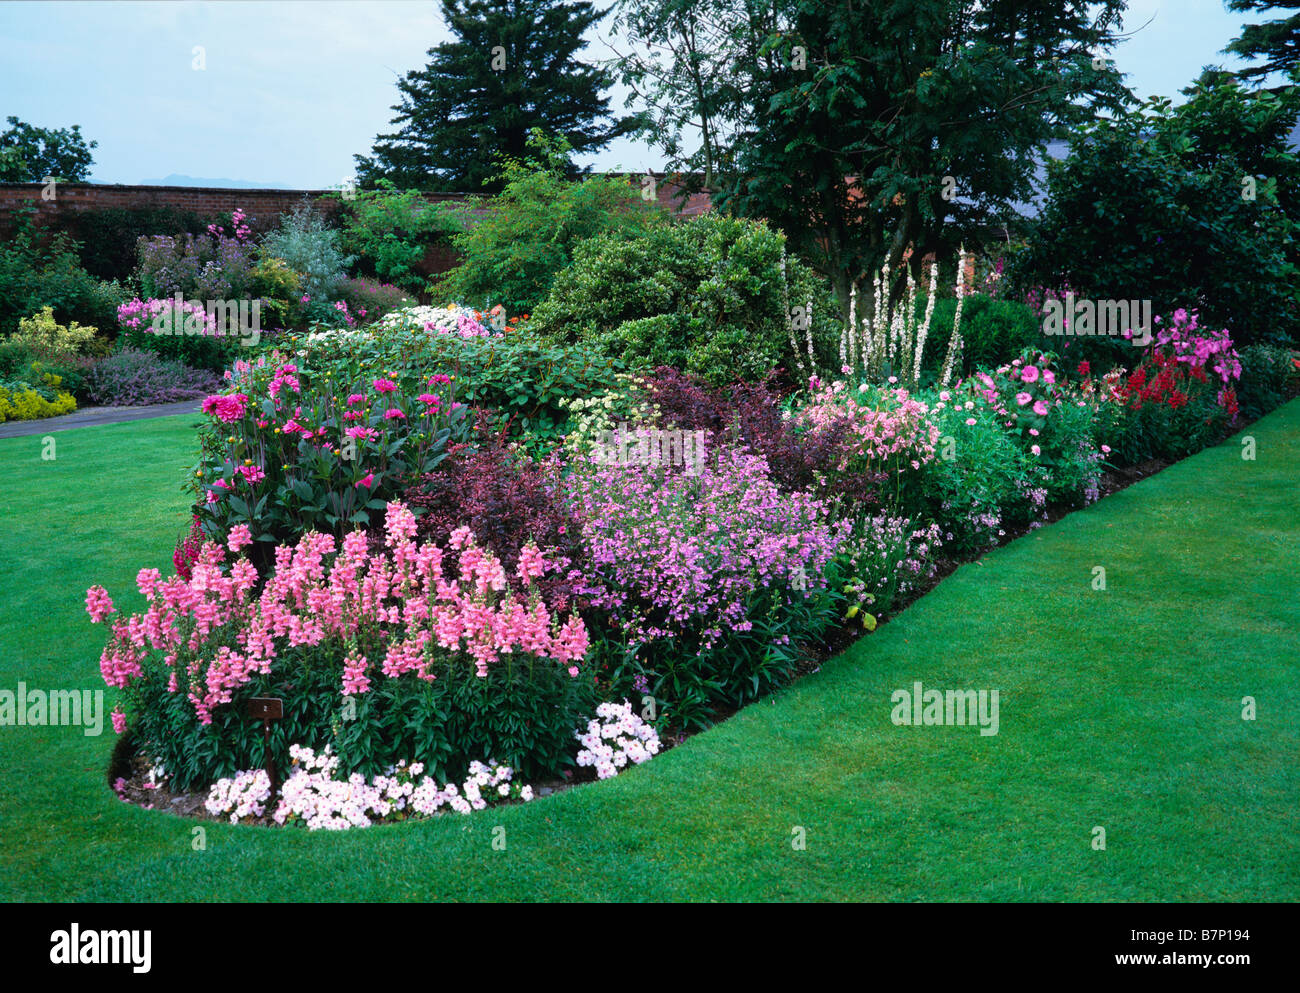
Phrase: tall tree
(866, 128)
(28, 154)
(1276, 42)
(512, 68)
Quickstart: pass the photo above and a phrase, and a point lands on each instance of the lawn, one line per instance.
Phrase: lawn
(1119, 708)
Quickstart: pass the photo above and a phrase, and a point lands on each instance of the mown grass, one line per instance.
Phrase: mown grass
(1119, 708)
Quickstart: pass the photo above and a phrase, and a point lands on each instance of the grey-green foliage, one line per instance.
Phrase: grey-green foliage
(311, 248)
(705, 296)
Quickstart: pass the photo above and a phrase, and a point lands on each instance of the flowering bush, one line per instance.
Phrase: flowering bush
(1048, 418)
(132, 378)
(1180, 397)
(702, 583)
(452, 319)
(289, 450)
(614, 738)
(888, 434)
(211, 266)
(882, 560)
(189, 334)
(416, 650)
(316, 798)
(370, 300)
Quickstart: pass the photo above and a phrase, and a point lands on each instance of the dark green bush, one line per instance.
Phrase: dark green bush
(993, 331)
(1265, 373)
(108, 236)
(38, 271)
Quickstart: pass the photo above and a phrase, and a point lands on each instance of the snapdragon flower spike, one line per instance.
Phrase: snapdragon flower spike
(408, 598)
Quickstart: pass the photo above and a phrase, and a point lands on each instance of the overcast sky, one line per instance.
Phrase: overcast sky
(291, 90)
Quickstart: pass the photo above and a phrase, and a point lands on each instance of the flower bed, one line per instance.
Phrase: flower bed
(552, 580)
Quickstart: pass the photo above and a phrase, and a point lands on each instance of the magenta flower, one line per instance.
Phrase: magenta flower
(394, 415)
(367, 481)
(1040, 408)
(119, 723)
(1023, 398)
(1029, 374)
(385, 386)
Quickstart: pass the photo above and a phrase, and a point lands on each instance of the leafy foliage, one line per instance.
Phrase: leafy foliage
(31, 154)
(707, 296)
(1194, 207)
(515, 243)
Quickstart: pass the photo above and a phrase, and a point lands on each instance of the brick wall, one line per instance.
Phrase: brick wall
(263, 207)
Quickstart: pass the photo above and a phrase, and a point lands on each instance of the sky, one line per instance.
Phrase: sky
(290, 90)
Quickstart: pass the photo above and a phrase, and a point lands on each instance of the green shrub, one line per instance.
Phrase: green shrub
(1141, 210)
(1265, 373)
(977, 484)
(514, 244)
(39, 270)
(993, 331)
(705, 296)
(390, 231)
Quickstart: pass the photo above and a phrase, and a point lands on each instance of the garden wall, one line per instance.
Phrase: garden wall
(263, 207)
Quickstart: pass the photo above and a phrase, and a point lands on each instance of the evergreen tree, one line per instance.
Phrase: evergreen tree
(511, 68)
(1276, 42)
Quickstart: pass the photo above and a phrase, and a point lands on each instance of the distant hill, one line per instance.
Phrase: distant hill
(231, 184)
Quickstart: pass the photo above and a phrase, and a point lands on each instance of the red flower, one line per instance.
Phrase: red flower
(1085, 369)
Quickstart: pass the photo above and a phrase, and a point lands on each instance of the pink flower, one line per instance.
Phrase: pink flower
(1023, 398)
(385, 386)
(1049, 376)
(239, 536)
(439, 377)
(1035, 449)
(970, 421)
(356, 398)
(226, 408)
(119, 720)
(367, 480)
(1029, 374)
(1034, 432)
(251, 473)
(429, 398)
(98, 603)
(1105, 449)
(1040, 408)
(394, 415)
(573, 671)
